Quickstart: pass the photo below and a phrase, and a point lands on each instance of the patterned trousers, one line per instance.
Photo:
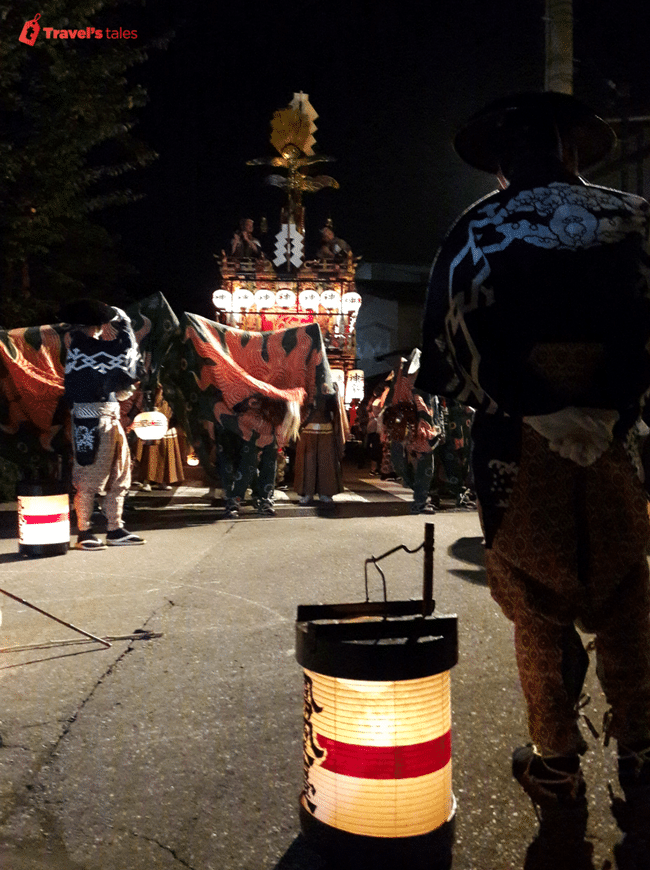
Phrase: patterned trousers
(415, 469)
(571, 550)
(109, 475)
(242, 464)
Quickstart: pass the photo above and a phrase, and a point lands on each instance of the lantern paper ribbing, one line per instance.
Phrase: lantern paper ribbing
(379, 754)
(43, 522)
(377, 788)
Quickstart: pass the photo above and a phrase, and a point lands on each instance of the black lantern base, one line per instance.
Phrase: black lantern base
(37, 550)
(347, 851)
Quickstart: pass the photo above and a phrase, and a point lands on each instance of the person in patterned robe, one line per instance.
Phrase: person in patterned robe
(412, 424)
(538, 316)
(102, 365)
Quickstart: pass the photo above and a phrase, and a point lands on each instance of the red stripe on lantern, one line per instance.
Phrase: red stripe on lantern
(42, 519)
(386, 762)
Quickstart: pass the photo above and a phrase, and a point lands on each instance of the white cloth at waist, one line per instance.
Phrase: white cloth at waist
(91, 410)
(319, 428)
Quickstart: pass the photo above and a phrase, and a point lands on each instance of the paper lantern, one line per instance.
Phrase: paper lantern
(242, 299)
(264, 299)
(377, 735)
(354, 386)
(43, 519)
(222, 300)
(330, 300)
(285, 298)
(309, 300)
(351, 302)
(338, 378)
(150, 425)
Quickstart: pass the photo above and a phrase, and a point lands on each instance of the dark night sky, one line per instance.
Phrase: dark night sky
(390, 82)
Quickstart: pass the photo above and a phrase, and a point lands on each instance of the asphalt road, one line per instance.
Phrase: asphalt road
(179, 746)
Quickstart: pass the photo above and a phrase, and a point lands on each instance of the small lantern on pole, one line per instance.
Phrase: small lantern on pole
(377, 786)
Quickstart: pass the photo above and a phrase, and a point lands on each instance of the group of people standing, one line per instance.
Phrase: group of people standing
(420, 439)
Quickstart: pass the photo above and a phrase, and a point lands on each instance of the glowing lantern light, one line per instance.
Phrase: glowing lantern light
(43, 519)
(330, 300)
(264, 299)
(309, 300)
(354, 386)
(285, 299)
(222, 300)
(192, 459)
(377, 788)
(150, 425)
(242, 299)
(351, 303)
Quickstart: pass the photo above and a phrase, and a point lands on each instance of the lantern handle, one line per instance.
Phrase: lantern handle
(427, 545)
(383, 576)
(375, 559)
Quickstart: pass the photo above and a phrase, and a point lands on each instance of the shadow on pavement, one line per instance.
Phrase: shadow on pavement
(469, 550)
(300, 857)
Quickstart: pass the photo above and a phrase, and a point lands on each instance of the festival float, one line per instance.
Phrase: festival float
(260, 295)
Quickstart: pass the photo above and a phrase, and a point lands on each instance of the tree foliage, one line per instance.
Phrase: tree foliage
(67, 110)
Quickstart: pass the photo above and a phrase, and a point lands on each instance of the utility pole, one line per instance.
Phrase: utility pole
(559, 46)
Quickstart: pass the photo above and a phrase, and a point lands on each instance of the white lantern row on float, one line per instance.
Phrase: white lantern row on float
(243, 299)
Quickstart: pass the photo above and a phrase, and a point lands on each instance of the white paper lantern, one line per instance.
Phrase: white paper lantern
(309, 300)
(330, 300)
(222, 300)
(285, 298)
(354, 386)
(264, 299)
(351, 303)
(43, 520)
(338, 377)
(377, 789)
(150, 425)
(242, 299)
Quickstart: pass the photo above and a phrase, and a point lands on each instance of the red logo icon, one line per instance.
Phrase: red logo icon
(30, 30)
